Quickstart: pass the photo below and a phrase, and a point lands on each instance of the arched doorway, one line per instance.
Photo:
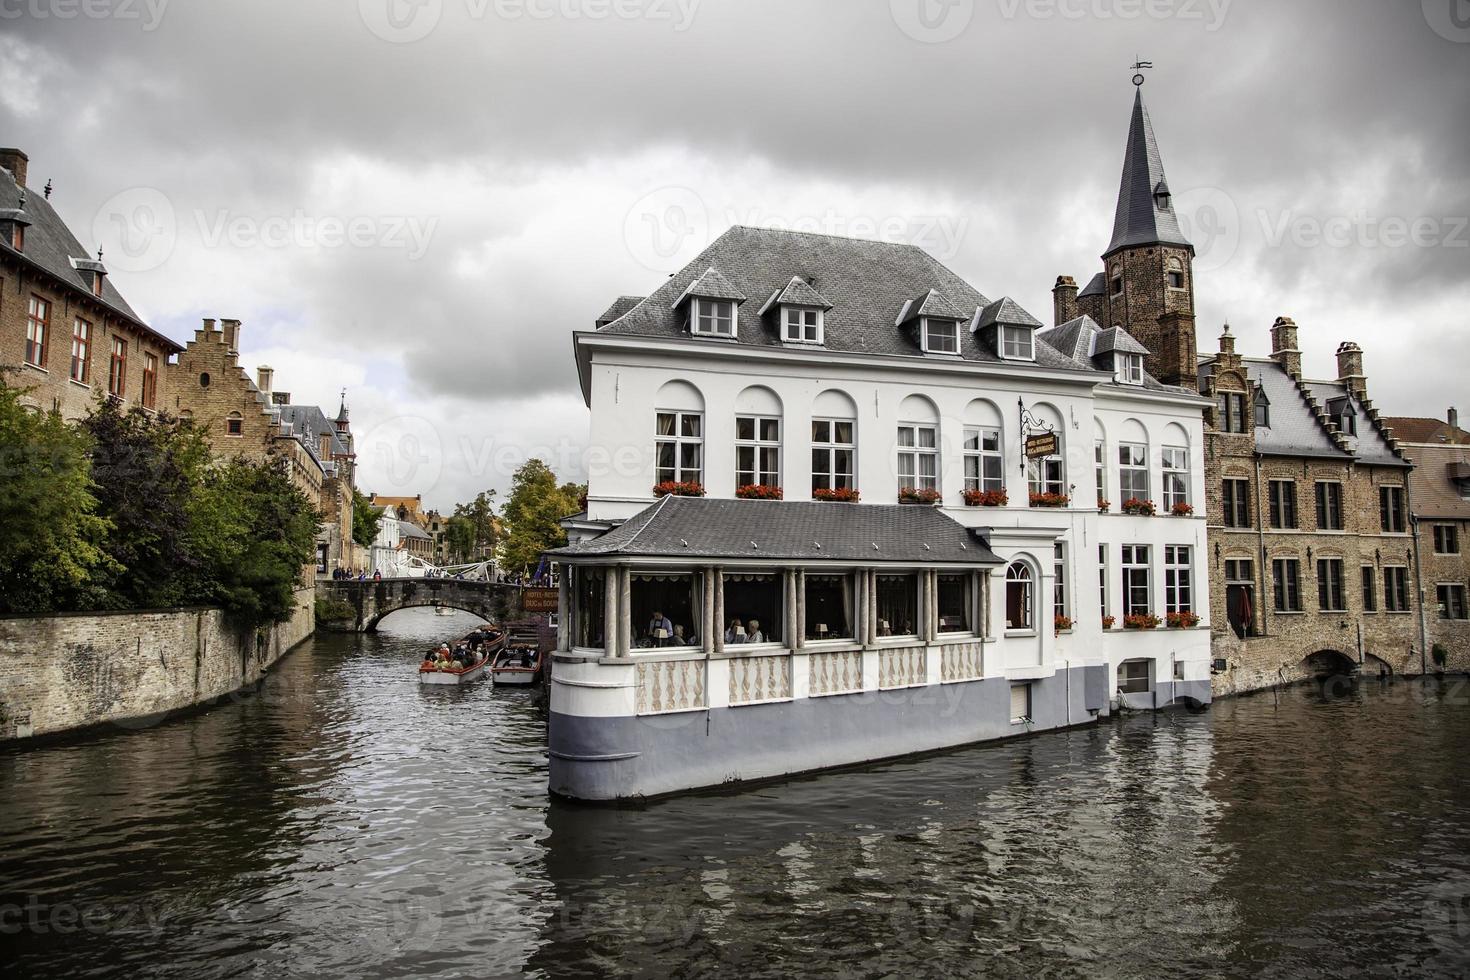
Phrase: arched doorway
(1328, 663)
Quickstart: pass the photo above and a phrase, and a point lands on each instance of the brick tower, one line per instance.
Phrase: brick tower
(1147, 283)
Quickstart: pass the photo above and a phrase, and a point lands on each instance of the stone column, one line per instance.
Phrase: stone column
(788, 577)
(625, 613)
(610, 611)
(719, 631)
(799, 640)
(566, 622)
(710, 627)
(870, 606)
(930, 610)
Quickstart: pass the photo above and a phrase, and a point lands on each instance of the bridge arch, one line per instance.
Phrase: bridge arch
(372, 602)
(1328, 663)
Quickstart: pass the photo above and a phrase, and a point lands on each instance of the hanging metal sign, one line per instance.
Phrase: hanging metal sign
(1041, 445)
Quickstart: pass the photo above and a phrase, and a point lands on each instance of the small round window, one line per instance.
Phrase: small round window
(204, 380)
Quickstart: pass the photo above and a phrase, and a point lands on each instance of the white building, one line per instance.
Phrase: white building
(978, 590)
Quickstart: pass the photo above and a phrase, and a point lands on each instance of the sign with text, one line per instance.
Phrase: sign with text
(1041, 445)
(539, 600)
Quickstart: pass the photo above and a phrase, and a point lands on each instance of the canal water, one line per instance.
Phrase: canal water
(343, 822)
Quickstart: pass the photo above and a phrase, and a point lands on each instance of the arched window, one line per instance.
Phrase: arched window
(679, 434)
(757, 438)
(1020, 597)
(1175, 270)
(234, 424)
(834, 443)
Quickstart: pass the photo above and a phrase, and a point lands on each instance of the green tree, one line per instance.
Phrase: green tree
(252, 531)
(459, 539)
(476, 533)
(51, 546)
(533, 514)
(365, 519)
(146, 469)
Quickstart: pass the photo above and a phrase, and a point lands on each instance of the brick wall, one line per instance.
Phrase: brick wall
(1452, 634)
(1158, 316)
(75, 671)
(53, 385)
(209, 385)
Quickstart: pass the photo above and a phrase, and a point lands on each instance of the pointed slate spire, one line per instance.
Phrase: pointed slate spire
(1145, 213)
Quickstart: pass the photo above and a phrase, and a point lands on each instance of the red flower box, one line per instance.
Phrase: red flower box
(1182, 620)
(1103, 505)
(1139, 508)
(1062, 623)
(1108, 622)
(1050, 500)
(913, 495)
(759, 491)
(677, 488)
(986, 498)
(1182, 509)
(1141, 621)
(837, 495)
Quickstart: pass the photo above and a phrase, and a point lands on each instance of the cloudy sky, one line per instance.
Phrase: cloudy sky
(420, 200)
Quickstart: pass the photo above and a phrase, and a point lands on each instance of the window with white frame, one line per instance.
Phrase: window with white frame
(1176, 476)
(714, 317)
(941, 336)
(1020, 598)
(1133, 676)
(1099, 458)
(801, 325)
(1102, 578)
(1017, 343)
(833, 449)
(1130, 369)
(1060, 606)
(1178, 579)
(984, 463)
(1133, 470)
(1136, 598)
(757, 451)
(679, 444)
(918, 457)
(1046, 475)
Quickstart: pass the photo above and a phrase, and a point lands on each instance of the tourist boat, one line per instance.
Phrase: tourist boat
(443, 611)
(519, 664)
(466, 675)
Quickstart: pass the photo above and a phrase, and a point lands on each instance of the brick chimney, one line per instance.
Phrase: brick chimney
(264, 375)
(231, 330)
(1064, 299)
(1284, 349)
(16, 162)
(1454, 417)
(1350, 369)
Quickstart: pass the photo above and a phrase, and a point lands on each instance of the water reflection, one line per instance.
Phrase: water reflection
(344, 821)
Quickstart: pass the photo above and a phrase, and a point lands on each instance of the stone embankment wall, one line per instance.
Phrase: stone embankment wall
(77, 671)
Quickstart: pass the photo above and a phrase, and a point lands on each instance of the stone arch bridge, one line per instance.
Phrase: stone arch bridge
(371, 601)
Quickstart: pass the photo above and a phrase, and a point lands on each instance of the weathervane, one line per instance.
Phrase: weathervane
(1139, 68)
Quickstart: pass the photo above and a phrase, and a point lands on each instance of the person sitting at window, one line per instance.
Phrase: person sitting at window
(736, 632)
(682, 639)
(753, 632)
(660, 630)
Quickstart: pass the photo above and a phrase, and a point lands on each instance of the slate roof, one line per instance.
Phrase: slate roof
(1369, 445)
(409, 529)
(1082, 339)
(713, 285)
(932, 304)
(310, 422)
(866, 282)
(51, 246)
(1096, 286)
(1006, 311)
(1139, 220)
(798, 292)
(1117, 340)
(1294, 429)
(1409, 429)
(619, 306)
(704, 528)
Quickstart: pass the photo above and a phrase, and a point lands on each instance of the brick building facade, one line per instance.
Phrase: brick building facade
(1311, 550)
(64, 328)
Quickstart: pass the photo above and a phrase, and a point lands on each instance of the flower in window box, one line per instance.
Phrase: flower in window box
(1141, 621)
(986, 498)
(1140, 508)
(1061, 623)
(836, 495)
(1103, 505)
(1050, 500)
(915, 495)
(759, 491)
(1182, 509)
(678, 488)
(1108, 622)
(1182, 620)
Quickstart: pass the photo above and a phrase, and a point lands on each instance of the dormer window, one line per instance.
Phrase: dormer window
(801, 325)
(941, 336)
(1130, 369)
(1163, 200)
(1116, 280)
(1262, 408)
(1349, 421)
(714, 317)
(1016, 343)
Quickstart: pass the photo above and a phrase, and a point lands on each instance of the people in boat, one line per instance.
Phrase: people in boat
(660, 629)
(753, 632)
(736, 632)
(428, 663)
